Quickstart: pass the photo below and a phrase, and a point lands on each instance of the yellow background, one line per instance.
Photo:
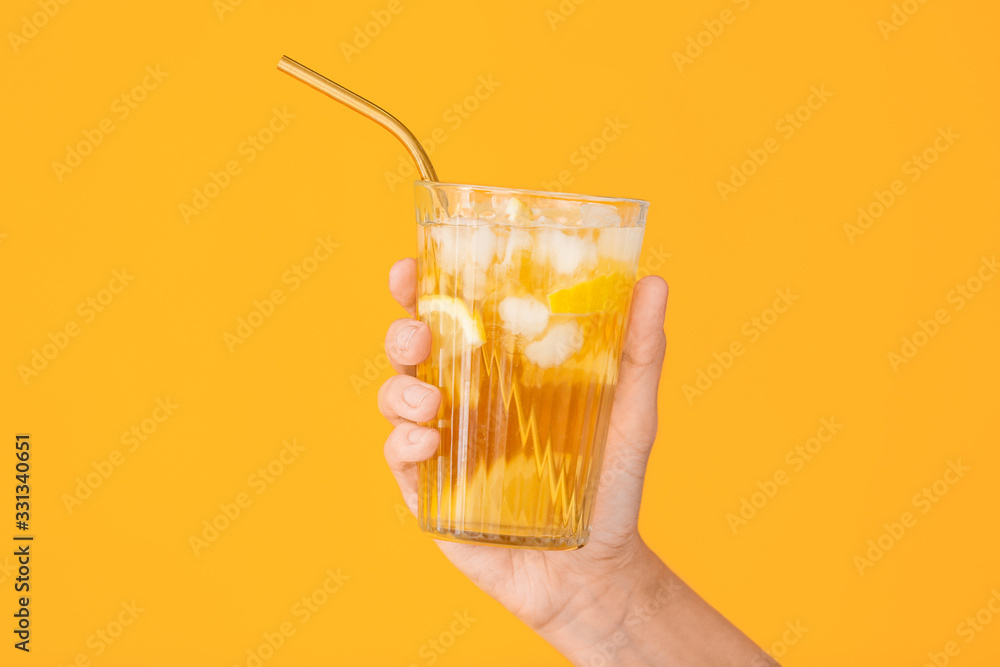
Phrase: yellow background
(311, 370)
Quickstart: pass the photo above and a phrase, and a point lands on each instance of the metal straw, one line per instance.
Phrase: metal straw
(363, 107)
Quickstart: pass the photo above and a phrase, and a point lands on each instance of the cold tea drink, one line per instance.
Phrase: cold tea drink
(526, 295)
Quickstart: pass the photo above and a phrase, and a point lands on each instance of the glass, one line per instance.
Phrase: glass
(526, 295)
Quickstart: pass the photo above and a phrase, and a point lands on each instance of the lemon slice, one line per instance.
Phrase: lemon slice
(603, 293)
(451, 322)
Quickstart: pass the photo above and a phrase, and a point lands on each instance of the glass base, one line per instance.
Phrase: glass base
(550, 543)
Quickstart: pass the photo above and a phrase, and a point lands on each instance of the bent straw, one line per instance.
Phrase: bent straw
(363, 107)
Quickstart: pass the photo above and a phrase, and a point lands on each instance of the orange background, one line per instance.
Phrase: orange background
(310, 371)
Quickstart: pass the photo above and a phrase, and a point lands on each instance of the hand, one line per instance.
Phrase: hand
(574, 599)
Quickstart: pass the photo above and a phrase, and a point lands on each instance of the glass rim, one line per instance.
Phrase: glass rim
(545, 193)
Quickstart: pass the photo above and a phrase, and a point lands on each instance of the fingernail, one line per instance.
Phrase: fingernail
(416, 435)
(415, 394)
(404, 336)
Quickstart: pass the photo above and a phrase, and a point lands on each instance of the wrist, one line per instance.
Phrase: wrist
(640, 614)
(605, 622)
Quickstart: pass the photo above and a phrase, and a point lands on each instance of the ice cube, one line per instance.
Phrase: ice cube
(557, 212)
(518, 241)
(620, 244)
(484, 245)
(517, 213)
(473, 282)
(501, 238)
(524, 315)
(560, 343)
(599, 215)
(566, 253)
(458, 245)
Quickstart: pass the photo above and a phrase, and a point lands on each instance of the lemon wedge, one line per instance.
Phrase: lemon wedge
(600, 294)
(451, 322)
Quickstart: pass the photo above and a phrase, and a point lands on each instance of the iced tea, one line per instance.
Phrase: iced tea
(526, 295)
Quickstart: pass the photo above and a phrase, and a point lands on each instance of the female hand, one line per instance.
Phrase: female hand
(614, 595)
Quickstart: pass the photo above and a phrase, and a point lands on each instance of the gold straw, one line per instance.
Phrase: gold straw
(363, 107)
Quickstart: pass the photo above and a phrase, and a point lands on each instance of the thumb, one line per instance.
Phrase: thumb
(643, 350)
(642, 360)
(633, 415)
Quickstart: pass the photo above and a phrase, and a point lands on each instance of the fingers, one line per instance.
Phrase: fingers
(407, 343)
(633, 415)
(407, 445)
(403, 284)
(643, 349)
(404, 398)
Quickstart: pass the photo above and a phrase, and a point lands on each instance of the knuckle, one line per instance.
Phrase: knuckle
(395, 384)
(390, 336)
(388, 391)
(415, 341)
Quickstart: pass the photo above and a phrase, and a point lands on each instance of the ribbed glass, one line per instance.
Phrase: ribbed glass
(526, 294)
